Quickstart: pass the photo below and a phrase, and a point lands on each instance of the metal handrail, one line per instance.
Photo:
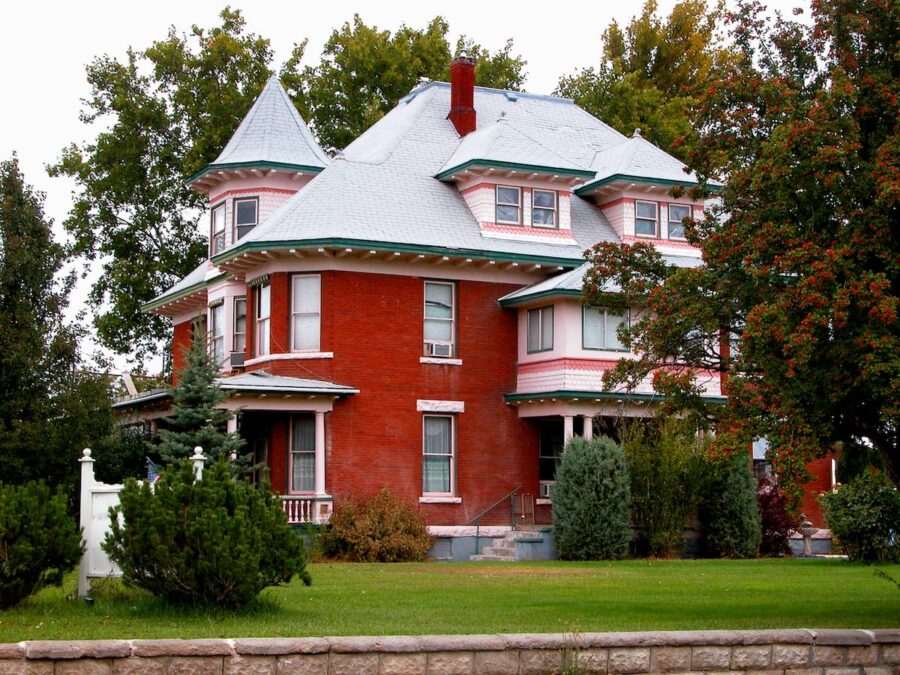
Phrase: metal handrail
(477, 519)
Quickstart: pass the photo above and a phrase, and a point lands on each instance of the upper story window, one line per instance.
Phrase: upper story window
(239, 338)
(246, 216)
(217, 229)
(677, 214)
(306, 315)
(217, 333)
(439, 330)
(437, 455)
(600, 326)
(263, 310)
(543, 208)
(540, 329)
(509, 205)
(646, 219)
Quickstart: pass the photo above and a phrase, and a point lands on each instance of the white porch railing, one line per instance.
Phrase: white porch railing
(306, 510)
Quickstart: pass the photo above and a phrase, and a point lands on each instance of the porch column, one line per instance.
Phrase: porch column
(231, 428)
(588, 422)
(320, 454)
(568, 428)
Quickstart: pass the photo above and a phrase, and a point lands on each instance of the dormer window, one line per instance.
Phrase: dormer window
(646, 219)
(677, 214)
(509, 205)
(246, 216)
(217, 230)
(543, 208)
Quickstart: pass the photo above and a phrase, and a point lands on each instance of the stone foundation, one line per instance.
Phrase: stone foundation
(826, 652)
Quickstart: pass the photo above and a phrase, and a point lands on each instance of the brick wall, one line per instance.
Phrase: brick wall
(821, 482)
(181, 343)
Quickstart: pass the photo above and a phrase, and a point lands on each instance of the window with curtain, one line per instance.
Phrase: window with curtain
(677, 214)
(543, 208)
(646, 219)
(263, 310)
(439, 315)
(217, 230)
(600, 326)
(239, 342)
(437, 455)
(217, 333)
(245, 216)
(303, 453)
(306, 311)
(540, 329)
(509, 205)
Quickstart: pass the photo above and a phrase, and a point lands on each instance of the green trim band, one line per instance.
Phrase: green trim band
(496, 164)
(587, 188)
(230, 166)
(608, 395)
(190, 290)
(385, 247)
(552, 293)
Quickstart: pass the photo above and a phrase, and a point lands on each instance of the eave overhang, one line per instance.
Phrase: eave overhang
(551, 293)
(592, 186)
(595, 396)
(190, 296)
(236, 166)
(453, 171)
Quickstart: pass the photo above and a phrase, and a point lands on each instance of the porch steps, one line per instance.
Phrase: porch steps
(504, 549)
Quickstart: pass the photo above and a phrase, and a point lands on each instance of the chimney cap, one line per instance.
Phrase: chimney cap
(463, 57)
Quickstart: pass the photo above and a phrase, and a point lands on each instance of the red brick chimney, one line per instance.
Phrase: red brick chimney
(462, 94)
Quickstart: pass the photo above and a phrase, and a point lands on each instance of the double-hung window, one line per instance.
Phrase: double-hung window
(509, 205)
(306, 316)
(677, 214)
(437, 455)
(543, 208)
(540, 329)
(217, 229)
(439, 318)
(239, 338)
(246, 216)
(303, 452)
(646, 219)
(263, 310)
(600, 328)
(217, 333)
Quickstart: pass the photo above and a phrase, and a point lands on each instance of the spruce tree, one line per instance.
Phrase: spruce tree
(198, 419)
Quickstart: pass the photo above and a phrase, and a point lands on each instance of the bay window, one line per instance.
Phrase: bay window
(543, 208)
(677, 214)
(246, 216)
(263, 310)
(217, 229)
(438, 455)
(306, 314)
(600, 328)
(646, 220)
(439, 326)
(540, 329)
(509, 205)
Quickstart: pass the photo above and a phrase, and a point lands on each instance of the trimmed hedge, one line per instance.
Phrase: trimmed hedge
(864, 515)
(729, 514)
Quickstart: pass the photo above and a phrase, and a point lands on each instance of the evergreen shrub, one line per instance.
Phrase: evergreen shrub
(665, 463)
(864, 515)
(729, 513)
(776, 520)
(377, 528)
(591, 501)
(214, 541)
(39, 540)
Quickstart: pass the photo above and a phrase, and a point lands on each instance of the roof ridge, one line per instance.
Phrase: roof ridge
(491, 90)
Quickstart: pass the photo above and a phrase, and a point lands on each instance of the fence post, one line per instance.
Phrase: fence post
(198, 460)
(87, 482)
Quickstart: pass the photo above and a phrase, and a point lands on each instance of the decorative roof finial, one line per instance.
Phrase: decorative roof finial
(637, 133)
(502, 117)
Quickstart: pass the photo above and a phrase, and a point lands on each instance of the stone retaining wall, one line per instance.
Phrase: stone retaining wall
(827, 652)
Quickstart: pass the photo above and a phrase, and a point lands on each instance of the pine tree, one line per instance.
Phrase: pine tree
(198, 419)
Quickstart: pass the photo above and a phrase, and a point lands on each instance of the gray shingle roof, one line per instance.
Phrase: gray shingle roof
(262, 381)
(272, 132)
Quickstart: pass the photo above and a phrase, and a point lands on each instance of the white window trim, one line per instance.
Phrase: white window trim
(452, 493)
(605, 311)
(655, 206)
(259, 320)
(498, 203)
(234, 315)
(669, 220)
(452, 320)
(440, 361)
(294, 314)
(289, 356)
(539, 311)
(555, 225)
(213, 250)
(234, 206)
(290, 476)
(427, 406)
(213, 338)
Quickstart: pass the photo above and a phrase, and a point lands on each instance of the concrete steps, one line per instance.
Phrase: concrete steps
(504, 549)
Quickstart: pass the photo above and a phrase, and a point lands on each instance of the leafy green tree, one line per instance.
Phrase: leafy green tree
(864, 516)
(365, 72)
(39, 540)
(213, 541)
(652, 73)
(197, 419)
(798, 302)
(591, 500)
(50, 406)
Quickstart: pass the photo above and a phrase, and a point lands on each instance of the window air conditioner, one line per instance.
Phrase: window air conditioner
(438, 349)
(546, 489)
(237, 359)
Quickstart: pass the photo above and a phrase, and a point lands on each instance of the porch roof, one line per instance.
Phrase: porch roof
(263, 382)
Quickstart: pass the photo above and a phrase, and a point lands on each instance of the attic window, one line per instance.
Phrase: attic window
(677, 214)
(509, 205)
(543, 208)
(646, 219)
(245, 216)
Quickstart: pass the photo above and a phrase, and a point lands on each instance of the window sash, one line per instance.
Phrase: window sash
(216, 334)
(438, 455)
(539, 329)
(599, 326)
(217, 229)
(239, 336)
(543, 215)
(245, 219)
(439, 312)
(306, 312)
(676, 224)
(646, 220)
(303, 453)
(263, 308)
(507, 210)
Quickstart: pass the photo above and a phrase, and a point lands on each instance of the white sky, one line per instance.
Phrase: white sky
(44, 47)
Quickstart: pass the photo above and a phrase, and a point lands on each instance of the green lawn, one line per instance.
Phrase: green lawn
(353, 599)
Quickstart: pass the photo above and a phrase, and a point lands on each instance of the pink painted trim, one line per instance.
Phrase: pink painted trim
(527, 230)
(616, 202)
(550, 365)
(251, 191)
(673, 243)
(479, 186)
